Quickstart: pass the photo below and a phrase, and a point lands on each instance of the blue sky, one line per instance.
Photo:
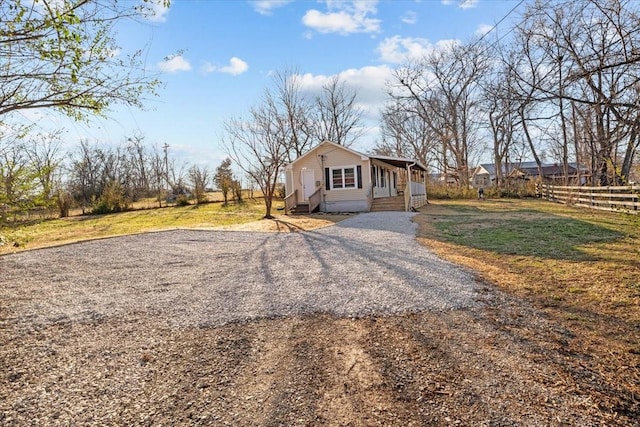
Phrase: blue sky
(223, 53)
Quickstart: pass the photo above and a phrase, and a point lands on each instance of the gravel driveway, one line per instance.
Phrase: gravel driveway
(366, 264)
(237, 328)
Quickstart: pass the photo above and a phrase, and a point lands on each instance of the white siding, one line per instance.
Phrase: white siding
(309, 162)
(332, 156)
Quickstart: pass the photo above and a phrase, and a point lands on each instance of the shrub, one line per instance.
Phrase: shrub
(113, 199)
(237, 191)
(64, 201)
(515, 190)
(444, 191)
(182, 200)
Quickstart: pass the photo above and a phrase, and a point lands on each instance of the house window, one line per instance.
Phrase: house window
(344, 178)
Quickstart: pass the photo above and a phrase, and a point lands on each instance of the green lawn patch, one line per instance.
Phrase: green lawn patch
(47, 232)
(526, 233)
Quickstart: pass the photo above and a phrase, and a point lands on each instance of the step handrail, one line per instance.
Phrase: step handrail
(290, 201)
(315, 199)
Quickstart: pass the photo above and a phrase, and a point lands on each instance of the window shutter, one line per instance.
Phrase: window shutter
(359, 175)
(327, 179)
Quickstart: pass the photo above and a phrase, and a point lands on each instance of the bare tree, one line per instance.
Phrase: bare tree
(84, 175)
(259, 146)
(338, 119)
(590, 49)
(443, 89)
(296, 111)
(199, 177)
(138, 166)
(406, 134)
(158, 177)
(503, 119)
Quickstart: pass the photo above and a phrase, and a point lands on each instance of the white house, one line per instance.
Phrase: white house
(334, 178)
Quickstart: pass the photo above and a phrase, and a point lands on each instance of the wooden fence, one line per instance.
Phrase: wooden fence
(615, 199)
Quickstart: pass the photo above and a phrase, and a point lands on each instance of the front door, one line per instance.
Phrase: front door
(308, 183)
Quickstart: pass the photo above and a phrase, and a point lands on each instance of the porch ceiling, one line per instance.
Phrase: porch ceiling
(399, 162)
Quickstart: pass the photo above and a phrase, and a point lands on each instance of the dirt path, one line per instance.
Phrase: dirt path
(496, 366)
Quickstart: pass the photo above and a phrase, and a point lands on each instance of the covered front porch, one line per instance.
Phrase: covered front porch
(397, 184)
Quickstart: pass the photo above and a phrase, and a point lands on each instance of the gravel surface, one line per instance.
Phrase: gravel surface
(355, 324)
(367, 264)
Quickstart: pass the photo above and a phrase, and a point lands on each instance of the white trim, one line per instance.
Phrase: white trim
(342, 168)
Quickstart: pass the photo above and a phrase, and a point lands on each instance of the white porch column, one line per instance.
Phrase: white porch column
(408, 208)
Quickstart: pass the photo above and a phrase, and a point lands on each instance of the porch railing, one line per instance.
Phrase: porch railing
(315, 199)
(415, 198)
(290, 201)
(418, 188)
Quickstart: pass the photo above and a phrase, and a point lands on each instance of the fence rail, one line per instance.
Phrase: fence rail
(614, 199)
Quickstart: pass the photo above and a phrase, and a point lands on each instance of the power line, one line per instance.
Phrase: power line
(513, 9)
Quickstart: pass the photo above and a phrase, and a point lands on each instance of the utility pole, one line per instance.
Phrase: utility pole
(165, 147)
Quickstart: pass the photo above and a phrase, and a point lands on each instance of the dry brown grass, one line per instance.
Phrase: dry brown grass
(595, 295)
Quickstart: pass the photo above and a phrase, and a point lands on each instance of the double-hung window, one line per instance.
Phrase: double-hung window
(344, 177)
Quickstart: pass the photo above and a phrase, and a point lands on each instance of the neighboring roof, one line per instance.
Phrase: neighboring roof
(530, 168)
(394, 161)
(491, 167)
(549, 170)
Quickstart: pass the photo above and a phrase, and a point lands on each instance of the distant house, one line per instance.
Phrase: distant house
(441, 178)
(334, 178)
(485, 174)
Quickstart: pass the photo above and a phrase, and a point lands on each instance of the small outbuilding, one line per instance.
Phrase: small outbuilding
(334, 178)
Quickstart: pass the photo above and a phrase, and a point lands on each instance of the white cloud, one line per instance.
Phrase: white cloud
(468, 4)
(344, 17)
(409, 17)
(173, 64)
(154, 10)
(266, 7)
(236, 67)
(483, 29)
(368, 82)
(462, 4)
(397, 50)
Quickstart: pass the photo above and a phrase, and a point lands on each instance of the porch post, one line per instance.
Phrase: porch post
(408, 208)
(424, 187)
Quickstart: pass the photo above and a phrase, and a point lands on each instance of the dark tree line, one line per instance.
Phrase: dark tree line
(37, 175)
(565, 87)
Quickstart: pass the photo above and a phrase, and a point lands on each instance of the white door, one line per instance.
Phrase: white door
(380, 188)
(308, 183)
